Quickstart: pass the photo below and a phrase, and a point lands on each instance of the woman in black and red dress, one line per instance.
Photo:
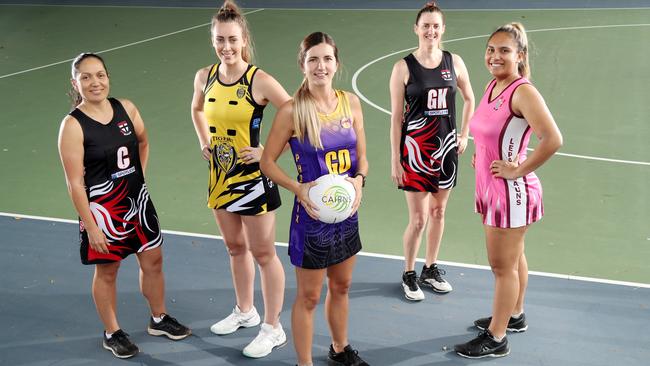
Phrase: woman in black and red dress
(425, 143)
(104, 150)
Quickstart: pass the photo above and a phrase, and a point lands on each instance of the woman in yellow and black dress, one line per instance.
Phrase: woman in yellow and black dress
(227, 106)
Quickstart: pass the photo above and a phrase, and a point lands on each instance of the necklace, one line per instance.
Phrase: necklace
(329, 106)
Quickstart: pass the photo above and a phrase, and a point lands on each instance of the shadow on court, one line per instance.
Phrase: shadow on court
(49, 318)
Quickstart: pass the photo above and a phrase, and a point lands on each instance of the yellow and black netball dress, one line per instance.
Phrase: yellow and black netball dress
(235, 120)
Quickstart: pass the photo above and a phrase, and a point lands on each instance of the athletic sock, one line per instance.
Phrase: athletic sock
(497, 339)
(156, 319)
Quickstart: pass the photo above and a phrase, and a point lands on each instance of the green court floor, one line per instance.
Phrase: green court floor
(590, 65)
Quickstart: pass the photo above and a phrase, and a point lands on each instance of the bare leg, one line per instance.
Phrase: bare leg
(310, 282)
(436, 227)
(241, 260)
(260, 234)
(522, 270)
(418, 206)
(337, 302)
(152, 280)
(505, 247)
(104, 294)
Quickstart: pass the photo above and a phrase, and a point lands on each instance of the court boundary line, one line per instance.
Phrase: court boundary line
(365, 254)
(338, 9)
(120, 47)
(356, 74)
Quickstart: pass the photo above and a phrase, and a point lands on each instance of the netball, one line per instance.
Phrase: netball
(334, 196)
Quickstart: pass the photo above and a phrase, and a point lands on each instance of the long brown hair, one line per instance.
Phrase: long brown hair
(430, 7)
(75, 97)
(305, 116)
(229, 12)
(517, 31)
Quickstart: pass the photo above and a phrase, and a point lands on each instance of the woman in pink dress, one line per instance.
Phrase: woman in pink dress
(508, 193)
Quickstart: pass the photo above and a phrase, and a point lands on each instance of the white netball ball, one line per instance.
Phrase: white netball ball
(333, 195)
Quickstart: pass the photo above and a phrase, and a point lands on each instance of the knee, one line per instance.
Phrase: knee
(503, 268)
(418, 222)
(263, 255)
(340, 288)
(152, 266)
(107, 272)
(308, 300)
(236, 248)
(437, 213)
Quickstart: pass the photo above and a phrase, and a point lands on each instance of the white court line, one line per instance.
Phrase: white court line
(586, 157)
(119, 47)
(366, 254)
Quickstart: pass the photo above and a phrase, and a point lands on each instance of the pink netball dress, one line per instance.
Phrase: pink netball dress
(499, 134)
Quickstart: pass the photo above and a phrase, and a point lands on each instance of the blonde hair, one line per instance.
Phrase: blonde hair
(517, 31)
(229, 12)
(305, 116)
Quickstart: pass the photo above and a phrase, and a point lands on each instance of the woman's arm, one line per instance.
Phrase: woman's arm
(265, 90)
(198, 118)
(465, 87)
(71, 151)
(398, 79)
(268, 90)
(362, 161)
(140, 132)
(528, 102)
(281, 132)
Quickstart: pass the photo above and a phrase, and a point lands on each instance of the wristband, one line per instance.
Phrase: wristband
(363, 179)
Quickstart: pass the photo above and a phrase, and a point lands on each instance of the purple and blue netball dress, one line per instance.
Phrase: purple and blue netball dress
(314, 244)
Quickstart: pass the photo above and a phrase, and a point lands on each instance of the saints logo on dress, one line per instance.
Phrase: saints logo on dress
(124, 128)
(446, 75)
(241, 91)
(225, 156)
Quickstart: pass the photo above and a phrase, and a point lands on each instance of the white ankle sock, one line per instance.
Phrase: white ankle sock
(156, 319)
(516, 316)
(108, 335)
(497, 339)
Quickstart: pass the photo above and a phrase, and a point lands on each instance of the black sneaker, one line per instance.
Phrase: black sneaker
(168, 327)
(432, 277)
(120, 345)
(483, 346)
(349, 357)
(516, 325)
(410, 286)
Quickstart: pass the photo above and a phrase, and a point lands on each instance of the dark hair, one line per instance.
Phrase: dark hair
(75, 97)
(430, 7)
(518, 33)
(305, 117)
(229, 12)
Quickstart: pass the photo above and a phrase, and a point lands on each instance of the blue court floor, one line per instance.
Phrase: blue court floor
(48, 315)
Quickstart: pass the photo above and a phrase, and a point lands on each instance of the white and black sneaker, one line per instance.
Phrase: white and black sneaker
(431, 277)
(516, 325)
(120, 345)
(410, 285)
(169, 327)
(483, 346)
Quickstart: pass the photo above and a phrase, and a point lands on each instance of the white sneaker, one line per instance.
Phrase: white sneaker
(267, 339)
(235, 321)
(410, 285)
